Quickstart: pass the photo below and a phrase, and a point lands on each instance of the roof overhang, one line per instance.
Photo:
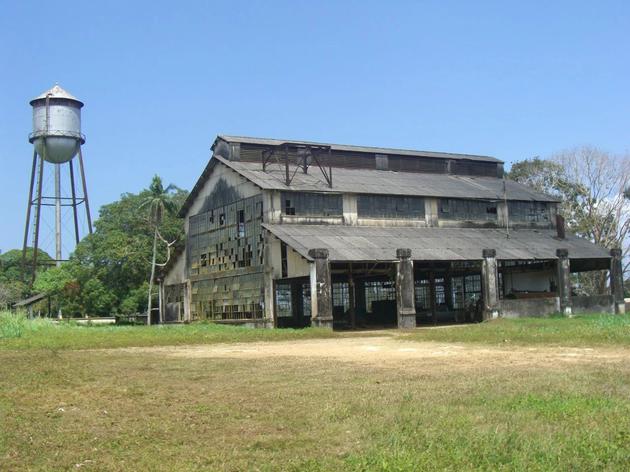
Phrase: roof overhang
(378, 244)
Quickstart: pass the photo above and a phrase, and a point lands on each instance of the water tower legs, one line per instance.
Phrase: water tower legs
(58, 214)
(36, 201)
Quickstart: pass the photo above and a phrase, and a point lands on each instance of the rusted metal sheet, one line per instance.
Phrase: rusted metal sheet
(361, 243)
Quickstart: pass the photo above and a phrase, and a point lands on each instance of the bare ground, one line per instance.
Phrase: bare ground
(387, 350)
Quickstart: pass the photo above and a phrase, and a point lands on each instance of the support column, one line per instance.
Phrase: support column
(269, 294)
(616, 280)
(405, 297)
(490, 284)
(564, 281)
(321, 289)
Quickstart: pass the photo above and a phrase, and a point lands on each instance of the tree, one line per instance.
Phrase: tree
(14, 277)
(109, 267)
(591, 184)
(158, 202)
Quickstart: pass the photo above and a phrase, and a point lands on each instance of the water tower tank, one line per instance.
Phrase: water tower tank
(56, 125)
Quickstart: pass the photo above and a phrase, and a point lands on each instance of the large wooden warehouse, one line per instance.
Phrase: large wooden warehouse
(290, 234)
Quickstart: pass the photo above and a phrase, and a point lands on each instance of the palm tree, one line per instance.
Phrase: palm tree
(159, 202)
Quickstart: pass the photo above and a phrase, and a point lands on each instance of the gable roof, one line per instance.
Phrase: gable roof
(352, 148)
(370, 181)
(386, 182)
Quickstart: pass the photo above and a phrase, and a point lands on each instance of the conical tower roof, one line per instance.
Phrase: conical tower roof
(56, 92)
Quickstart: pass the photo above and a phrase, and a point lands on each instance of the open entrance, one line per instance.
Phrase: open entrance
(447, 292)
(293, 303)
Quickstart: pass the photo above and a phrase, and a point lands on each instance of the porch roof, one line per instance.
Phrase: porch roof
(369, 243)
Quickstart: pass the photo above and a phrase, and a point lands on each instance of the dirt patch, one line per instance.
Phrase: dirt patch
(389, 349)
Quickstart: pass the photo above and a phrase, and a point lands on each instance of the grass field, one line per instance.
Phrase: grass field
(507, 395)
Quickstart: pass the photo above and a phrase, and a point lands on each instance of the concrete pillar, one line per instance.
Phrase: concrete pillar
(269, 295)
(405, 297)
(616, 280)
(490, 284)
(321, 289)
(564, 281)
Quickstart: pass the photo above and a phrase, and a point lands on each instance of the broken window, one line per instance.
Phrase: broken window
(465, 290)
(422, 294)
(460, 209)
(241, 223)
(284, 259)
(378, 291)
(390, 206)
(283, 300)
(312, 204)
(535, 212)
(341, 296)
(306, 300)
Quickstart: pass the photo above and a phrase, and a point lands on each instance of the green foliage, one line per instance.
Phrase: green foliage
(16, 325)
(550, 177)
(11, 268)
(581, 330)
(45, 334)
(158, 200)
(15, 277)
(591, 185)
(136, 300)
(108, 267)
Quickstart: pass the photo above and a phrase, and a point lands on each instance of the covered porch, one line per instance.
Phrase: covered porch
(465, 280)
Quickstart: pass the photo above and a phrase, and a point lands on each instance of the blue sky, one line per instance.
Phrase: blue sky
(161, 79)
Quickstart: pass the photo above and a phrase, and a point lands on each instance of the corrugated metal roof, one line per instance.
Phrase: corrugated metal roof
(30, 300)
(371, 243)
(386, 182)
(352, 148)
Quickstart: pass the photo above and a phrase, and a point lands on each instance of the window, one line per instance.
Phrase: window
(422, 294)
(306, 300)
(390, 206)
(283, 300)
(204, 260)
(284, 261)
(376, 291)
(311, 204)
(534, 212)
(459, 209)
(341, 296)
(466, 290)
(241, 223)
(222, 219)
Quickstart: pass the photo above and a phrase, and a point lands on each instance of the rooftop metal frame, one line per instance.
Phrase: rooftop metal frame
(304, 151)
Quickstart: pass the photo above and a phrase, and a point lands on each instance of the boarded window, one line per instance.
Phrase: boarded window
(390, 206)
(459, 209)
(311, 204)
(528, 211)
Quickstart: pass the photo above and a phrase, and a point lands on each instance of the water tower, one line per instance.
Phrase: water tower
(56, 140)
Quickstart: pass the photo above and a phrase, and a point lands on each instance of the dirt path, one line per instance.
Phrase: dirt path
(387, 349)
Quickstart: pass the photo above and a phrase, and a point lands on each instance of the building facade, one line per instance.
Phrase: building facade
(292, 234)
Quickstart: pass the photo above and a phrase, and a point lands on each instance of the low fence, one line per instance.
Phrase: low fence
(593, 304)
(515, 308)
